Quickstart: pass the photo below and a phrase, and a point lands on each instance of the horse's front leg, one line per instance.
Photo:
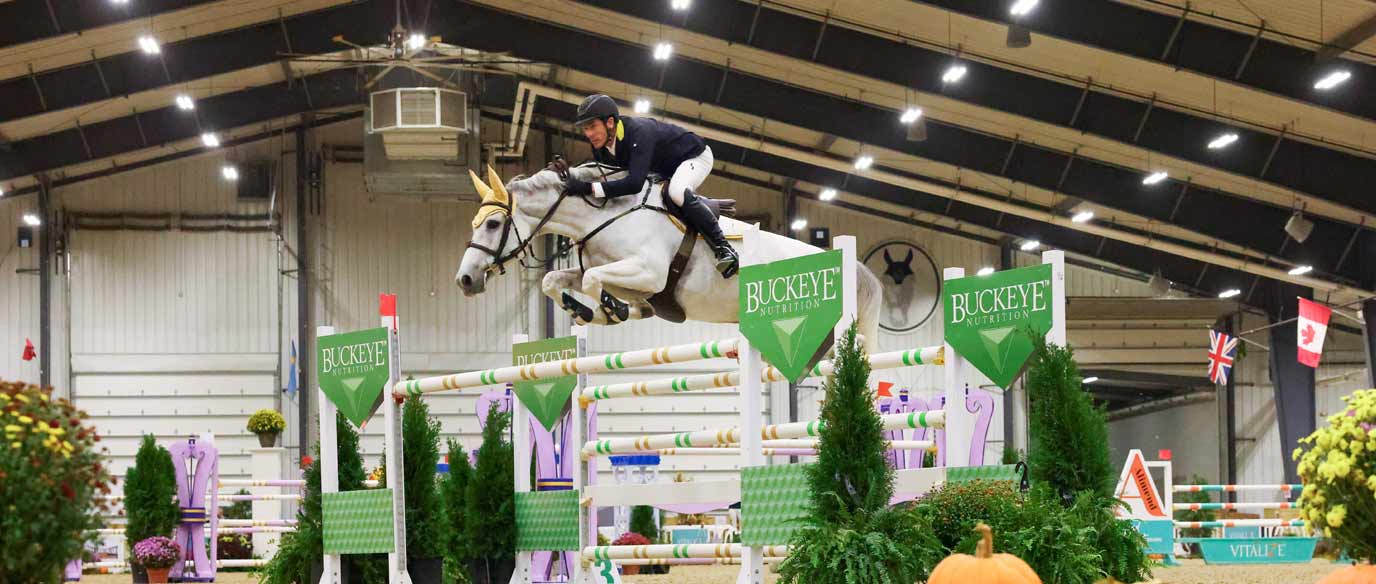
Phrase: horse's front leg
(561, 287)
(627, 274)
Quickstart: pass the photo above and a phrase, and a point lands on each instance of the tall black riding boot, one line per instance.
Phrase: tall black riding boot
(701, 219)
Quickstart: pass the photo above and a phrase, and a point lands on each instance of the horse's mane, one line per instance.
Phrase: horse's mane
(548, 179)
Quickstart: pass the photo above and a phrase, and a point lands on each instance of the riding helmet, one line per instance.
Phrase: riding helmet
(596, 107)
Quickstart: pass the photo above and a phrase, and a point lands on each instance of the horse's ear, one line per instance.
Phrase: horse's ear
(483, 190)
(499, 189)
(910, 257)
(887, 259)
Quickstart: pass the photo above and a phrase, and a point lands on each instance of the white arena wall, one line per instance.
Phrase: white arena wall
(179, 333)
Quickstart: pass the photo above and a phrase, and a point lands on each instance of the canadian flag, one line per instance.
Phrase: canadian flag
(1313, 325)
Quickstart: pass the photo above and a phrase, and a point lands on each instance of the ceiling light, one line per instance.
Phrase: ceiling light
(1298, 227)
(1089, 380)
(2, 191)
(230, 172)
(1223, 141)
(1022, 7)
(985, 271)
(32, 220)
(953, 74)
(1155, 177)
(863, 162)
(911, 115)
(827, 194)
(1301, 270)
(149, 45)
(798, 224)
(210, 140)
(663, 50)
(1332, 80)
(1030, 245)
(1159, 285)
(1082, 216)
(185, 103)
(119, 2)
(642, 106)
(416, 41)
(681, 4)
(1229, 293)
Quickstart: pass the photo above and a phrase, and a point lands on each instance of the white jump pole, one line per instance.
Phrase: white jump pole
(751, 405)
(329, 464)
(960, 423)
(1056, 258)
(396, 475)
(584, 471)
(520, 443)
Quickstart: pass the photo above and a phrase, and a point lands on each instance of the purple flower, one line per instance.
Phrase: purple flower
(157, 552)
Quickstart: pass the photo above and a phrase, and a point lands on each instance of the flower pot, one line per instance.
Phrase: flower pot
(1358, 574)
(630, 570)
(484, 571)
(267, 439)
(158, 575)
(426, 569)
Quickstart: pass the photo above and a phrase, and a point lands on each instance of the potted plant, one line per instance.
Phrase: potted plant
(1335, 465)
(49, 454)
(150, 490)
(157, 555)
(425, 512)
(631, 538)
(267, 424)
(490, 505)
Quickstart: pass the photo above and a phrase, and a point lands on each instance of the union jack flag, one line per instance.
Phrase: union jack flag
(1222, 348)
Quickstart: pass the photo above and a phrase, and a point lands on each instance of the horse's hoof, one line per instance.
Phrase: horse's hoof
(616, 310)
(580, 313)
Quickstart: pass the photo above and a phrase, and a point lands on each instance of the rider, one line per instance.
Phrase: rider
(641, 145)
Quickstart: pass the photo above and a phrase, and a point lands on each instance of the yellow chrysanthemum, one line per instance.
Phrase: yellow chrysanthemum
(1371, 483)
(21, 397)
(1336, 515)
(16, 444)
(26, 419)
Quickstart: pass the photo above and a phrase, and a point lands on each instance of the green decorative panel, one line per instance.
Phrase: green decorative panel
(547, 521)
(997, 472)
(773, 498)
(358, 522)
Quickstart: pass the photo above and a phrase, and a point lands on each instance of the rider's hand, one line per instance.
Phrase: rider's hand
(578, 187)
(559, 166)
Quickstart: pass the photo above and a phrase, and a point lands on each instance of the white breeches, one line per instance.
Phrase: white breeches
(690, 174)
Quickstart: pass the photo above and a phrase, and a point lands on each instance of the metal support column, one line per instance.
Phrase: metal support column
(305, 355)
(45, 284)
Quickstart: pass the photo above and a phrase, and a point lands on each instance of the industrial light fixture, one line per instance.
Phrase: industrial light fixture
(1030, 245)
(119, 2)
(185, 103)
(681, 5)
(864, 162)
(985, 271)
(798, 224)
(663, 50)
(1155, 177)
(1089, 380)
(1332, 80)
(1301, 270)
(2, 190)
(1298, 227)
(1223, 141)
(910, 115)
(1023, 7)
(827, 194)
(1159, 285)
(1229, 293)
(210, 140)
(32, 220)
(416, 41)
(954, 73)
(1019, 36)
(642, 106)
(149, 45)
(1082, 217)
(230, 172)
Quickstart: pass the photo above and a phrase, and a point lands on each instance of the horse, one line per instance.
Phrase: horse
(624, 247)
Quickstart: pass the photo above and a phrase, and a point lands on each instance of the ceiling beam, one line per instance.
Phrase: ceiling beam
(1346, 40)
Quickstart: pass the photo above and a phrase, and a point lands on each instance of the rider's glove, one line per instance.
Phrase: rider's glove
(578, 187)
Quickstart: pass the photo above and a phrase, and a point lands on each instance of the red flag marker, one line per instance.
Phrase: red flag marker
(1313, 326)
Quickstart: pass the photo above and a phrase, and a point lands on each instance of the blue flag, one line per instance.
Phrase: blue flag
(291, 374)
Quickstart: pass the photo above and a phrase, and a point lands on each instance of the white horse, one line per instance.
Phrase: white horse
(624, 250)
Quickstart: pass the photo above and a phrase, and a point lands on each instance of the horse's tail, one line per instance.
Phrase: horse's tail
(869, 303)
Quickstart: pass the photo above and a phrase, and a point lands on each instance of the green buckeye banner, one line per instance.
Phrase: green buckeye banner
(546, 399)
(353, 370)
(789, 309)
(991, 320)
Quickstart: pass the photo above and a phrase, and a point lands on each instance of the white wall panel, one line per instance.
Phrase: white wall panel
(19, 311)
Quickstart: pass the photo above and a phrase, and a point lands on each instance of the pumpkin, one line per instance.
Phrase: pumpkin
(1360, 574)
(985, 567)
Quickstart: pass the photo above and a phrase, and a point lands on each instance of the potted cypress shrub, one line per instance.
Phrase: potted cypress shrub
(267, 424)
(49, 454)
(425, 522)
(150, 489)
(157, 555)
(490, 505)
(452, 491)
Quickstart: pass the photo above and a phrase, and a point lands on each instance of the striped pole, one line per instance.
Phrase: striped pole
(579, 365)
(270, 483)
(1232, 506)
(706, 381)
(255, 530)
(676, 551)
(1241, 523)
(258, 523)
(728, 436)
(116, 564)
(691, 561)
(1234, 488)
(224, 499)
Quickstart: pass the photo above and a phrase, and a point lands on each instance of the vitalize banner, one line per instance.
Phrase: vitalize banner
(545, 398)
(788, 309)
(353, 370)
(991, 320)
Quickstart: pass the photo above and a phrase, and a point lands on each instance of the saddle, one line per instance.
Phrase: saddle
(663, 302)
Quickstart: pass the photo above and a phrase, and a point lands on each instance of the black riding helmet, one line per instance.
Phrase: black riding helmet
(596, 107)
